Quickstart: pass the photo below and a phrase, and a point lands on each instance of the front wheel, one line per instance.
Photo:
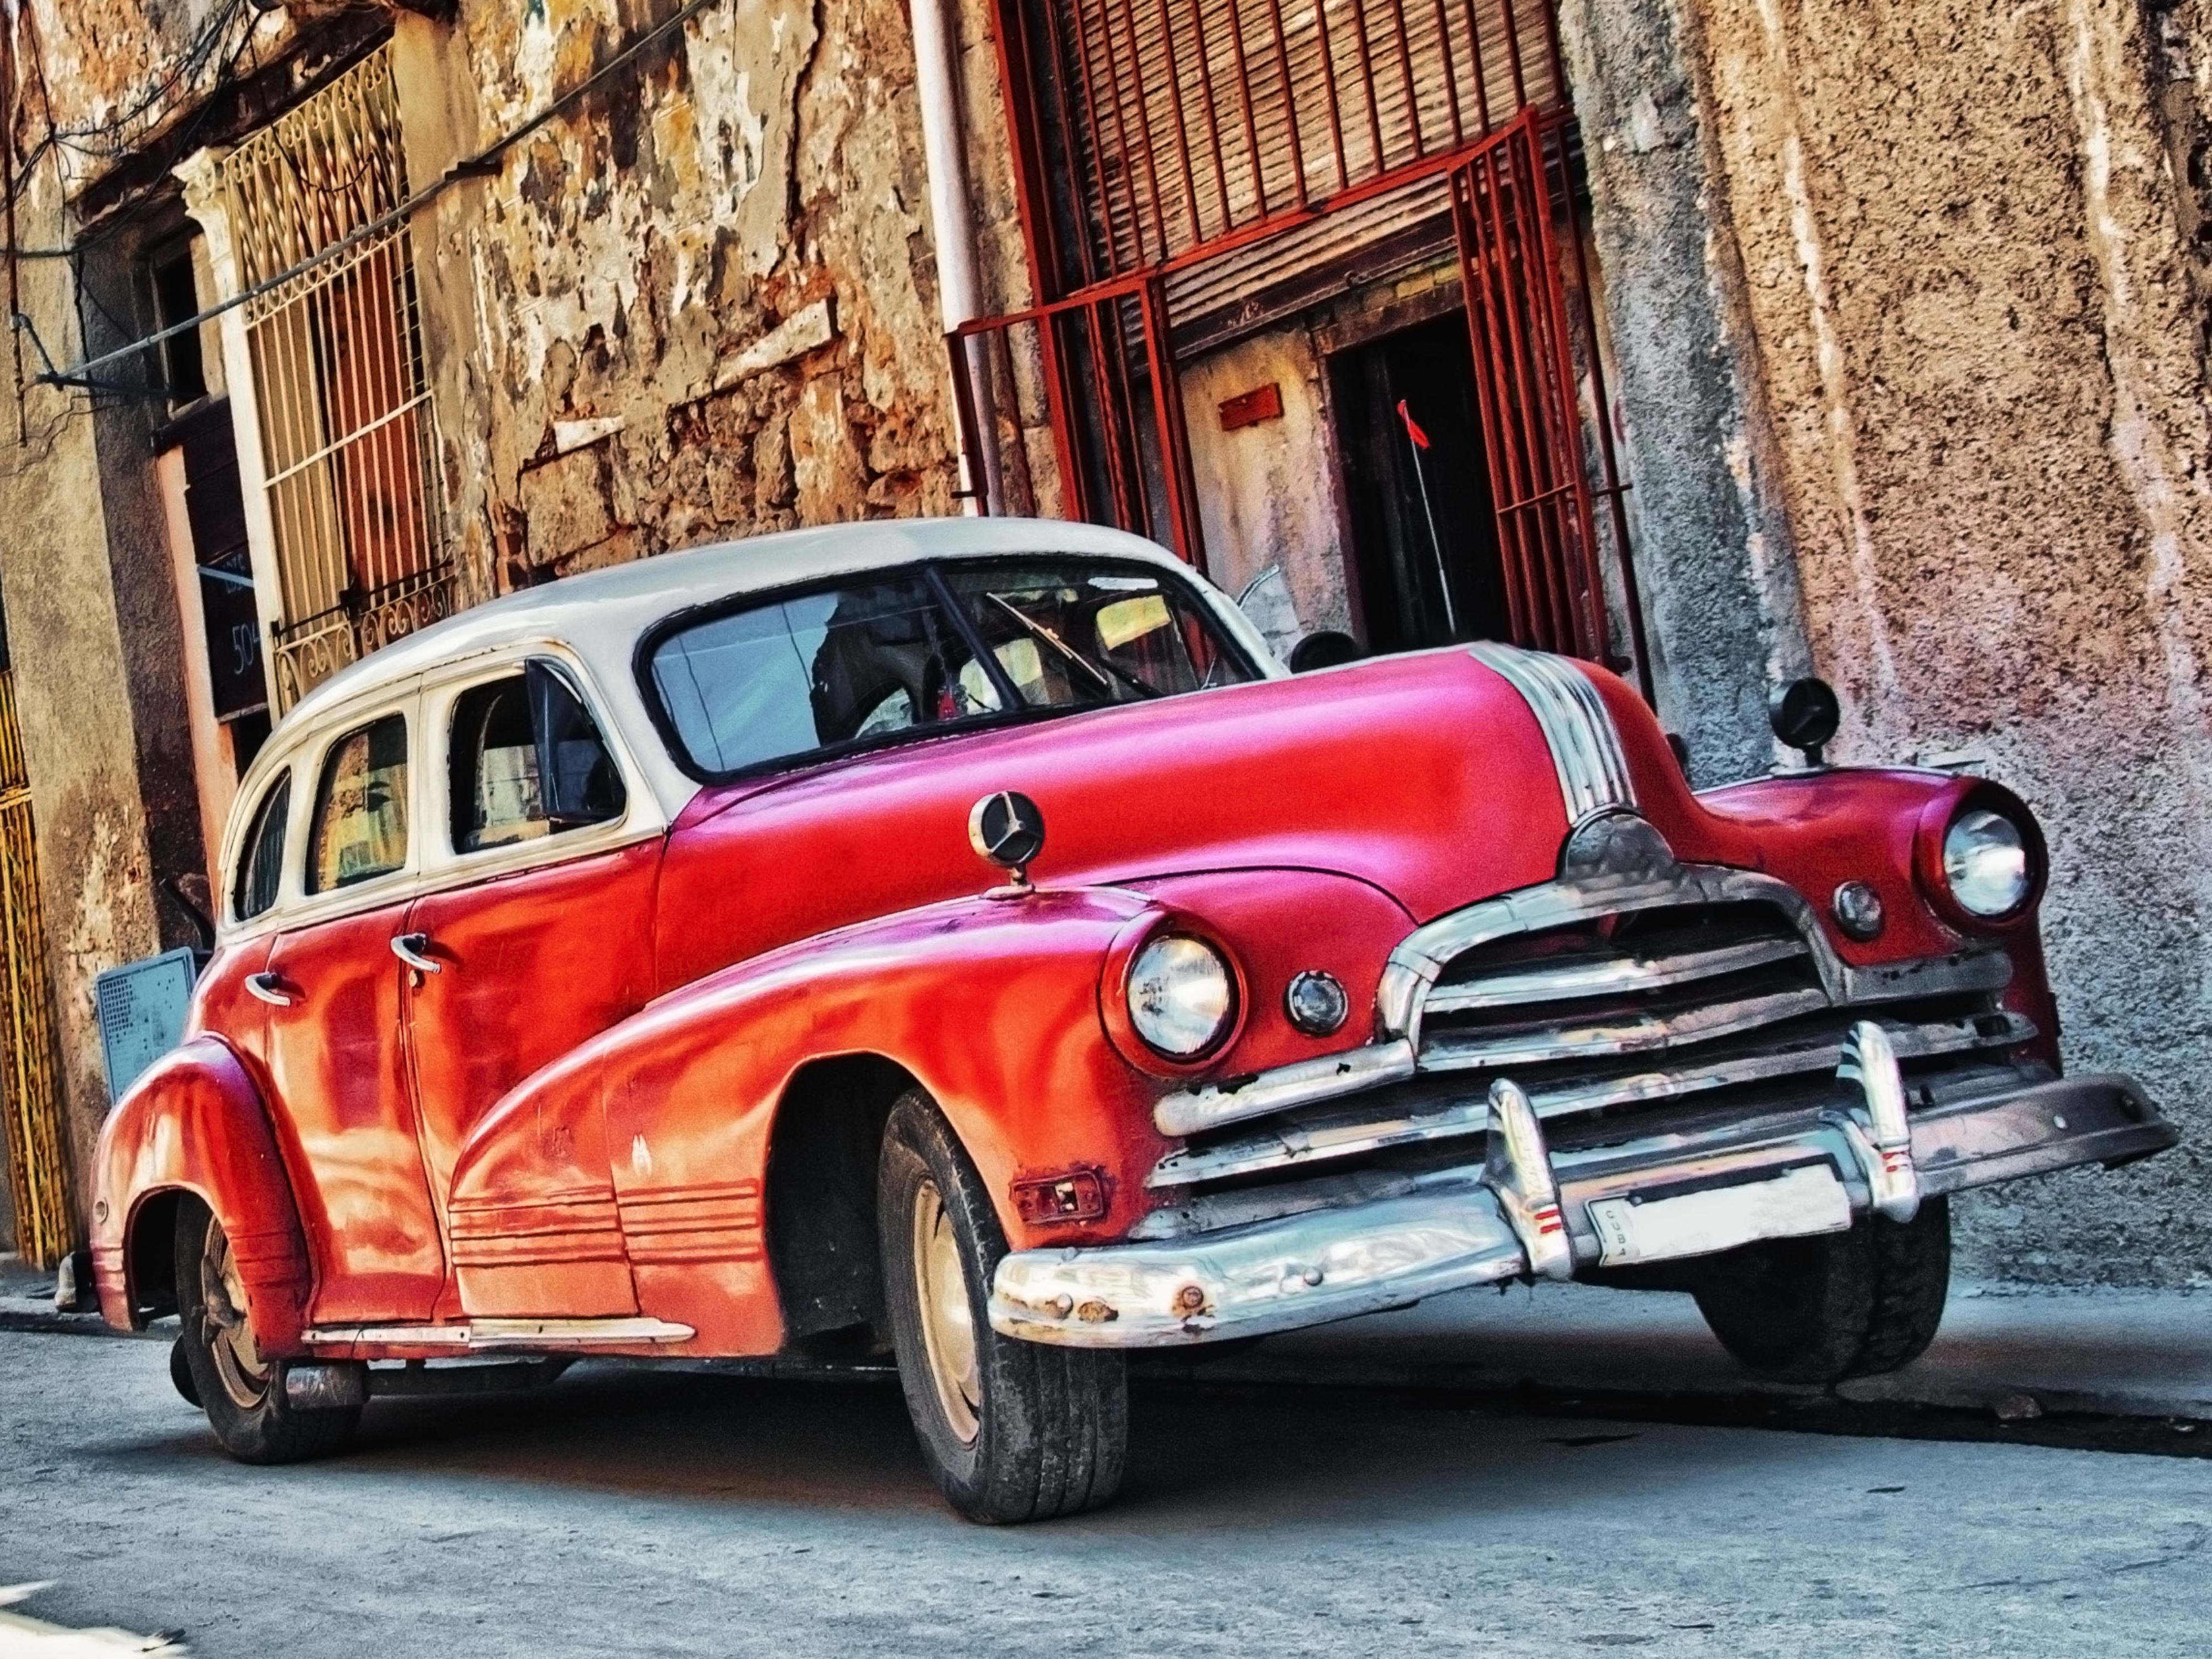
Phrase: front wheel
(241, 1392)
(1012, 1431)
(1841, 1305)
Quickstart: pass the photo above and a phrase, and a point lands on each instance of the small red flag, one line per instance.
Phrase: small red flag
(1412, 427)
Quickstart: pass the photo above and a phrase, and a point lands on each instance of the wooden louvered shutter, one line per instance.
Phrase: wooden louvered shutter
(1195, 120)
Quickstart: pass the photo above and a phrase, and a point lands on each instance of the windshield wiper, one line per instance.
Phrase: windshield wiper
(1104, 675)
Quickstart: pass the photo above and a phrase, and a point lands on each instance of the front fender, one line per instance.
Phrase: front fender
(195, 1123)
(990, 1005)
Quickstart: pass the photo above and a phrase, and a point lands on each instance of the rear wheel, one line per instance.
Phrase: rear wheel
(1012, 1431)
(241, 1392)
(180, 1373)
(1841, 1305)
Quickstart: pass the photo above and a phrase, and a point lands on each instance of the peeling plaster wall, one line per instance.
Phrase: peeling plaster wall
(1975, 325)
(703, 304)
(113, 73)
(73, 691)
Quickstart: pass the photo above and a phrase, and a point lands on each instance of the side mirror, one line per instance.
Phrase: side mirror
(1323, 650)
(1804, 714)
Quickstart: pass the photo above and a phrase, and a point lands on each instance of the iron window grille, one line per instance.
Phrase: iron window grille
(336, 352)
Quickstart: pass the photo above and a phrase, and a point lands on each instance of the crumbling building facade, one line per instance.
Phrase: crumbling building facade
(1717, 340)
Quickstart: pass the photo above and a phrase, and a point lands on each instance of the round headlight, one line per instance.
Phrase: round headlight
(1182, 995)
(1986, 863)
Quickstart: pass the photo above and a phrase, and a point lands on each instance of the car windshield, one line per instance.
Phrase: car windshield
(913, 652)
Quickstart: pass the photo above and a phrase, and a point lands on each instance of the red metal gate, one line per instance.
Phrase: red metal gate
(1112, 398)
(1154, 137)
(1524, 379)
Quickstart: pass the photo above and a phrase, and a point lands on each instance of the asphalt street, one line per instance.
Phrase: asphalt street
(626, 1511)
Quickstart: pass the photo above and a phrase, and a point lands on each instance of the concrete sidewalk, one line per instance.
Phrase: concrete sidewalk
(2140, 1354)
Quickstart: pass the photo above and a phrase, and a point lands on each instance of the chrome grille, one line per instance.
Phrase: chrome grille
(1610, 1017)
(1618, 984)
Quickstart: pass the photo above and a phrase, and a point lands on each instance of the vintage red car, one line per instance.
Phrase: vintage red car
(612, 970)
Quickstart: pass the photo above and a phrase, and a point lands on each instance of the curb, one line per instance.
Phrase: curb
(33, 1323)
(1897, 1392)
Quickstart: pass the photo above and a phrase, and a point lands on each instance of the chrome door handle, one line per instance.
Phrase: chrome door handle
(269, 987)
(409, 947)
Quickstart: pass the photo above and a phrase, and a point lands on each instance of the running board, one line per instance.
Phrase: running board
(477, 1335)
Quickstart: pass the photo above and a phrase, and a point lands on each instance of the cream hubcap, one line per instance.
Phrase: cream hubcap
(948, 1319)
(238, 1363)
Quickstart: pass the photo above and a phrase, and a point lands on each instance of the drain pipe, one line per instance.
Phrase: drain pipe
(959, 289)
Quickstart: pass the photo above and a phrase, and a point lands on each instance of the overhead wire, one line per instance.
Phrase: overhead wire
(107, 138)
(113, 135)
(475, 166)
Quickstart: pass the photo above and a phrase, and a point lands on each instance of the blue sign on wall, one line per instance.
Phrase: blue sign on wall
(142, 1013)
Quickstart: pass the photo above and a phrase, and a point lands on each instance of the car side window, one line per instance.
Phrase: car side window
(360, 807)
(261, 857)
(525, 761)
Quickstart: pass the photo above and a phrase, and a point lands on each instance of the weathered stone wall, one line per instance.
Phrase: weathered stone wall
(1714, 557)
(1972, 314)
(702, 304)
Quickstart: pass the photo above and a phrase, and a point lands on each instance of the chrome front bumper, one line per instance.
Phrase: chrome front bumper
(1526, 1212)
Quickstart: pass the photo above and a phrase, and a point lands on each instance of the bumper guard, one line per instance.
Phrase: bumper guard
(1526, 1213)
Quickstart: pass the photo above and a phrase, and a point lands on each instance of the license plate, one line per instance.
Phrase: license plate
(1806, 1200)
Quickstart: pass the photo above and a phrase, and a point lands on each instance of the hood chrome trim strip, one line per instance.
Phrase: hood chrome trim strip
(1585, 746)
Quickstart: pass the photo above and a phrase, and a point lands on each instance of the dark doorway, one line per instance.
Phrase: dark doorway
(1427, 571)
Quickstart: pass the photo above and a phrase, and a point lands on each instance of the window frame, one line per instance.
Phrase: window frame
(303, 753)
(1015, 713)
(340, 731)
(446, 865)
(280, 776)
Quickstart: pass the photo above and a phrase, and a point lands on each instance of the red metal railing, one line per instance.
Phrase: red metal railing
(1525, 387)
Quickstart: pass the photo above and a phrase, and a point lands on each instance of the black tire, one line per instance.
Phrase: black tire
(1841, 1305)
(242, 1393)
(1028, 1431)
(180, 1373)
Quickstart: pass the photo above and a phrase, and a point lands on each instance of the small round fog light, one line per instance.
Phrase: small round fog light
(1858, 909)
(1317, 1003)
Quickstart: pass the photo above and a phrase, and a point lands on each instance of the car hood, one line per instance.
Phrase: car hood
(1425, 776)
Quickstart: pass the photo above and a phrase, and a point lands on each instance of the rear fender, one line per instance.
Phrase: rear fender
(991, 1005)
(195, 1123)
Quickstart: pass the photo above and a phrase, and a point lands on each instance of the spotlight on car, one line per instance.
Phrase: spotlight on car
(1317, 1003)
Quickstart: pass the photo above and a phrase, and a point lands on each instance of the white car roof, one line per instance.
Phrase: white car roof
(601, 613)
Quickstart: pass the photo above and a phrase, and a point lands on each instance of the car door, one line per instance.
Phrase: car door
(535, 935)
(334, 1045)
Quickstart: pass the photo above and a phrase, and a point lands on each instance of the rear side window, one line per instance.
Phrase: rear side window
(360, 807)
(261, 858)
(527, 762)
